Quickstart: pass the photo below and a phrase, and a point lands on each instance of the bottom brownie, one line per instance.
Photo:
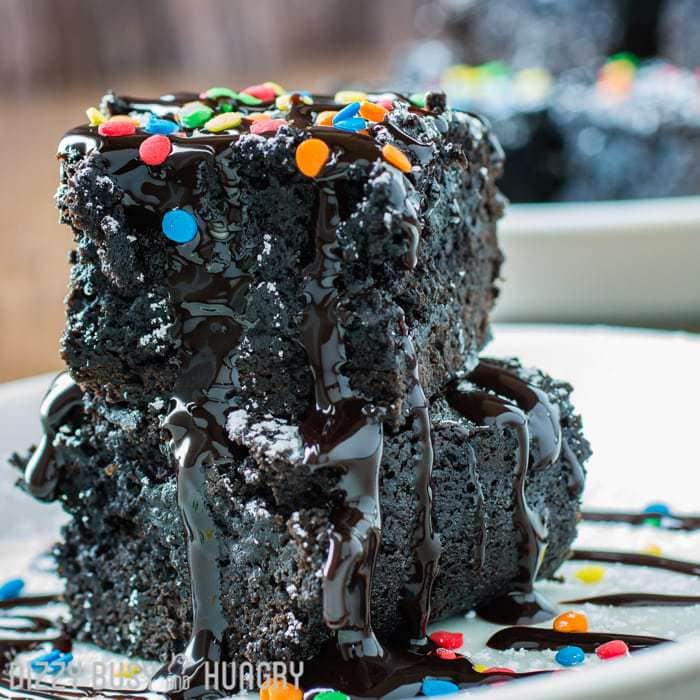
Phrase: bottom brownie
(124, 557)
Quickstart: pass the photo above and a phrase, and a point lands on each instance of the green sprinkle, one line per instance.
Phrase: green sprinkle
(331, 695)
(418, 99)
(246, 99)
(495, 68)
(195, 114)
(625, 56)
(652, 522)
(216, 92)
(226, 107)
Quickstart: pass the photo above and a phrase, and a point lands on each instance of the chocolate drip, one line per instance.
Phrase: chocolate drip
(62, 403)
(426, 542)
(637, 600)
(341, 431)
(345, 432)
(531, 414)
(538, 639)
(208, 292)
(681, 567)
(30, 601)
(668, 522)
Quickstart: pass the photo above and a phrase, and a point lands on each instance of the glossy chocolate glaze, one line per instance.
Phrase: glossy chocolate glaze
(61, 404)
(637, 600)
(343, 430)
(538, 638)
(536, 423)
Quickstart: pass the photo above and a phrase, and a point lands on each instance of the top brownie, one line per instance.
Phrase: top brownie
(231, 207)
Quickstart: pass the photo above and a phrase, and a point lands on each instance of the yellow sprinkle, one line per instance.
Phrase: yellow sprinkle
(95, 116)
(222, 122)
(276, 87)
(127, 671)
(480, 668)
(284, 102)
(258, 116)
(653, 550)
(590, 574)
(345, 97)
(461, 74)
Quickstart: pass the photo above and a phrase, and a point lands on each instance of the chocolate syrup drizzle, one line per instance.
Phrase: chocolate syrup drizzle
(634, 559)
(637, 600)
(529, 412)
(538, 639)
(62, 403)
(668, 522)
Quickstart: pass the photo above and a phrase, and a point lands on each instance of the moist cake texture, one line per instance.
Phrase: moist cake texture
(273, 517)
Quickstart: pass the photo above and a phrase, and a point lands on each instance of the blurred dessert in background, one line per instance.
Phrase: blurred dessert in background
(631, 133)
(556, 34)
(573, 124)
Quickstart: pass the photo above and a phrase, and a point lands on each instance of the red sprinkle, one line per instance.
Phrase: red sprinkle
(447, 640)
(387, 104)
(117, 128)
(498, 669)
(611, 650)
(155, 149)
(445, 653)
(262, 92)
(266, 126)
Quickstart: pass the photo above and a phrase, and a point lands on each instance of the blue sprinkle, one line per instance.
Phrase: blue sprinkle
(60, 664)
(160, 126)
(42, 663)
(11, 588)
(433, 686)
(354, 124)
(570, 656)
(657, 509)
(348, 112)
(179, 225)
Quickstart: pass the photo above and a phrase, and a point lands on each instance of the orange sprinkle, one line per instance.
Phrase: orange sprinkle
(571, 621)
(277, 689)
(396, 157)
(257, 116)
(325, 118)
(373, 112)
(124, 118)
(311, 156)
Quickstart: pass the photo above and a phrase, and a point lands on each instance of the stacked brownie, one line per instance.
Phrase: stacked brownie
(272, 293)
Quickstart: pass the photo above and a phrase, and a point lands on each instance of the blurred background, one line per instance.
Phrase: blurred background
(595, 101)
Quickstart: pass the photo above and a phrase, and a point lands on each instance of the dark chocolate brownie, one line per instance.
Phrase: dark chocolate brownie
(122, 337)
(268, 267)
(124, 557)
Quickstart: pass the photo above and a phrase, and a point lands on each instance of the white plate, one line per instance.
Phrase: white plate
(633, 262)
(637, 391)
